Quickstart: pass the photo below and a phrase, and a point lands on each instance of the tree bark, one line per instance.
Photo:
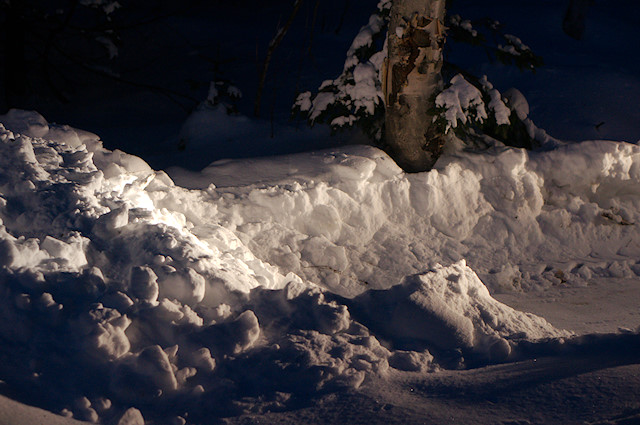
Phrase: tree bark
(411, 82)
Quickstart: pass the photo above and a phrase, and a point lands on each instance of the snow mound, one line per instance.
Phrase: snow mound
(449, 308)
(349, 218)
(120, 290)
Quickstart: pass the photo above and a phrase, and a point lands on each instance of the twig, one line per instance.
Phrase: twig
(273, 45)
(313, 26)
(342, 16)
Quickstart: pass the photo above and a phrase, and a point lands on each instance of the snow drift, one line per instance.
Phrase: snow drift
(256, 284)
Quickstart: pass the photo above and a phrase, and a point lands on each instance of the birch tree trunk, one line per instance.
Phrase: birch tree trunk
(412, 80)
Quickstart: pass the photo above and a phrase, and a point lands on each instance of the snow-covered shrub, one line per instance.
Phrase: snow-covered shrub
(464, 105)
(355, 97)
(223, 92)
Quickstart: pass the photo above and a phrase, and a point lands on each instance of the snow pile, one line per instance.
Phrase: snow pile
(119, 288)
(352, 220)
(447, 308)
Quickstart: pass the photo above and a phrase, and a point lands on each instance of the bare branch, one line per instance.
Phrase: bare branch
(273, 45)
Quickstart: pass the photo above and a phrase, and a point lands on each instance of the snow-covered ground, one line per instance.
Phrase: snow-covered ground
(281, 287)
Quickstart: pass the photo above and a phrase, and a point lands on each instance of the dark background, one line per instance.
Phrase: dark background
(169, 52)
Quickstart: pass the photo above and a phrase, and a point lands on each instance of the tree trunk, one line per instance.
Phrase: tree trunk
(412, 80)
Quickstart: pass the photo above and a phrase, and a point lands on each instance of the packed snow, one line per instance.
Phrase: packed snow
(257, 284)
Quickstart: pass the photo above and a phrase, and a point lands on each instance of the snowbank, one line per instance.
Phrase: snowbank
(352, 220)
(119, 288)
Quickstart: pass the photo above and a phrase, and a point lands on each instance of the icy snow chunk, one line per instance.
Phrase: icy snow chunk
(202, 359)
(343, 359)
(131, 417)
(246, 331)
(84, 411)
(72, 253)
(46, 300)
(144, 284)
(74, 137)
(129, 163)
(29, 123)
(9, 253)
(117, 300)
(232, 337)
(101, 404)
(178, 420)
(186, 286)
(323, 220)
(23, 301)
(144, 375)
(114, 219)
(101, 332)
(308, 309)
(174, 312)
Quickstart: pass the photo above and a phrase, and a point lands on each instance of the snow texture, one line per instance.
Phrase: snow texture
(254, 283)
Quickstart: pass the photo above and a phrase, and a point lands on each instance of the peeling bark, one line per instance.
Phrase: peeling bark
(413, 79)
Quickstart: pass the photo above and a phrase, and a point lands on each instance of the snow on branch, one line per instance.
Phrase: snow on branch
(107, 6)
(355, 97)
(462, 104)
